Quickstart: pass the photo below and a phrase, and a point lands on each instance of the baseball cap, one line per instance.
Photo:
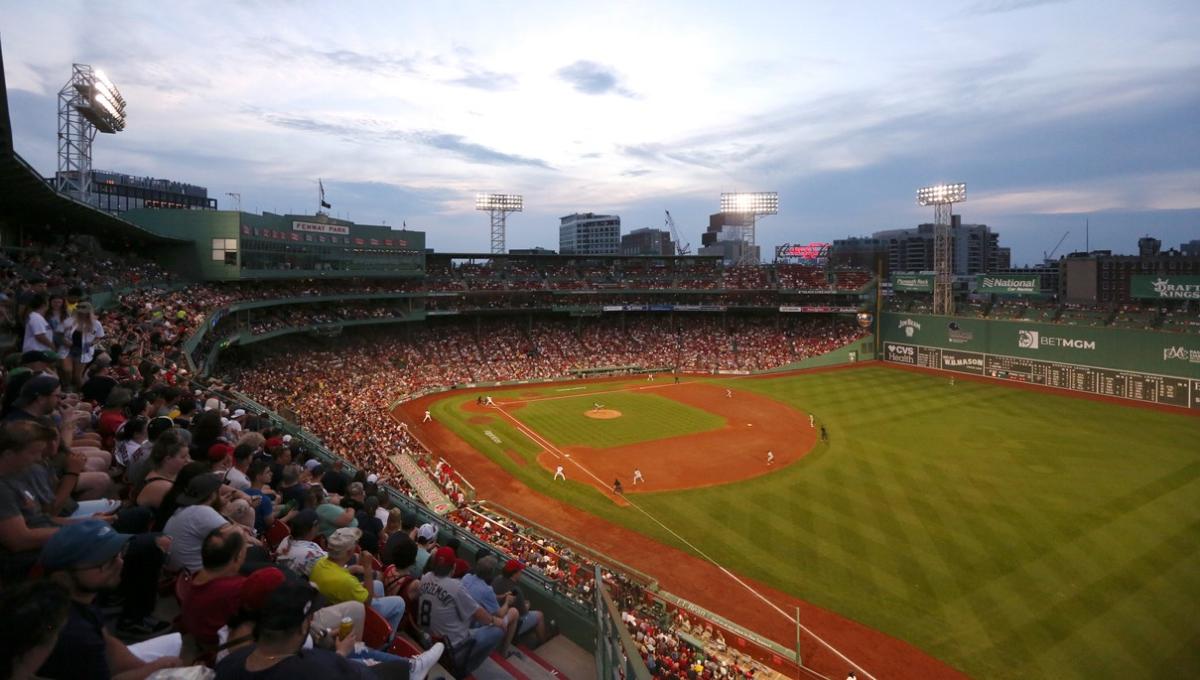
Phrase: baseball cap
(444, 557)
(461, 567)
(287, 606)
(427, 532)
(238, 413)
(158, 425)
(37, 386)
(344, 539)
(199, 489)
(219, 452)
(86, 544)
(311, 463)
(372, 478)
(287, 439)
(273, 443)
(258, 586)
(212, 404)
(512, 567)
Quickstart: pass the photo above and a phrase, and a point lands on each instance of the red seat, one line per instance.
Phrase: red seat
(376, 630)
(276, 533)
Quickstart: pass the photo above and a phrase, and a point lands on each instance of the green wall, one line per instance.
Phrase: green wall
(1173, 354)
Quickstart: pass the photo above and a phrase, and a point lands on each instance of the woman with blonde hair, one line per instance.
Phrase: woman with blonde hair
(82, 331)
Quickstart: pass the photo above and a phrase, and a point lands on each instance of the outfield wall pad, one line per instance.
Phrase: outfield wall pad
(1143, 365)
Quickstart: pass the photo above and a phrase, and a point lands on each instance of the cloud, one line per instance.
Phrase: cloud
(589, 77)
(486, 80)
(367, 130)
(1001, 6)
(474, 152)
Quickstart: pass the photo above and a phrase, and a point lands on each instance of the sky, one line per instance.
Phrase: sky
(1056, 113)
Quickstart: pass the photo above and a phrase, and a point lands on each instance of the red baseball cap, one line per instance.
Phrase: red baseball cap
(258, 587)
(513, 566)
(274, 443)
(219, 451)
(444, 557)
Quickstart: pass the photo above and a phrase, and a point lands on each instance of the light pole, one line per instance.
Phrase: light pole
(750, 205)
(942, 197)
(499, 206)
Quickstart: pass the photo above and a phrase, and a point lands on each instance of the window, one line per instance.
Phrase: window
(225, 250)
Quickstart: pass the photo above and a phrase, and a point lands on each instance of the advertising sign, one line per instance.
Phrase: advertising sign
(912, 283)
(1152, 287)
(1009, 284)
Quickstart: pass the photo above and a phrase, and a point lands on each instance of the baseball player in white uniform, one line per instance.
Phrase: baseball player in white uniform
(812, 421)
(489, 402)
(729, 394)
(637, 476)
(427, 417)
(770, 457)
(558, 473)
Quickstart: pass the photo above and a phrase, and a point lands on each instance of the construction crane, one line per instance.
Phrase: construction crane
(1045, 257)
(681, 248)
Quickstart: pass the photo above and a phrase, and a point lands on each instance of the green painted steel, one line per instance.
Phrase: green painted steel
(912, 283)
(1146, 351)
(1009, 284)
(1154, 287)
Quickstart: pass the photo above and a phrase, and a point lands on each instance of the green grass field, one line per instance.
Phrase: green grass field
(644, 417)
(1010, 533)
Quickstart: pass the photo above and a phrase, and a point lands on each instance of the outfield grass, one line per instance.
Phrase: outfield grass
(644, 417)
(1011, 533)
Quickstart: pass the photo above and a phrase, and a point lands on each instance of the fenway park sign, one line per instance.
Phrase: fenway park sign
(319, 228)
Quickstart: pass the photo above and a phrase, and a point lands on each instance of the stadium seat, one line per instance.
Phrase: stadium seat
(276, 533)
(376, 630)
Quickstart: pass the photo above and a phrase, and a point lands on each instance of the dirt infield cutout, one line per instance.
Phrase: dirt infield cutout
(603, 414)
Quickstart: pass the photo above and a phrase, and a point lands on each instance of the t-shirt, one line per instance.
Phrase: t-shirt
(16, 500)
(187, 529)
(329, 513)
(87, 337)
(337, 584)
(209, 606)
(446, 608)
(503, 584)
(299, 556)
(129, 452)
(418, 566)
(481, 592)
(81, 651)
(266, 507)
(27, 489)
(35, 325)
(237, 479)
(305, 664)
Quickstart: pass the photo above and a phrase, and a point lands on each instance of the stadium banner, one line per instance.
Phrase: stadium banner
(794, 309)
(1170, 287)
(318, 228)
(912, 283)
(1008, 284)
(1147, 351)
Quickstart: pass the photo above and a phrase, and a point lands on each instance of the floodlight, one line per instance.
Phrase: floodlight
(750, 203)
(87, 104)
(942, 193)
(505, 202)
(499, 206)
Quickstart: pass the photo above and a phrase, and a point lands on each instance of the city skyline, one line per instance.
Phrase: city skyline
(1054, 113)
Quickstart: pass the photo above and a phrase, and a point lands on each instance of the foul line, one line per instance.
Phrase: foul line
(558, 453)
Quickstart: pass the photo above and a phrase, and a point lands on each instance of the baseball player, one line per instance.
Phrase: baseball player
(770, 457)
(637, 476)
(427, 417)
(596, 406)
(729, 394)
(952, 381)
(617, 487)
(812, 421)
(558, 473)
(489, 402)
(824, 434)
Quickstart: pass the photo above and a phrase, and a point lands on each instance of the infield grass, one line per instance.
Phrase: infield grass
(1010, 533)
(644, 417)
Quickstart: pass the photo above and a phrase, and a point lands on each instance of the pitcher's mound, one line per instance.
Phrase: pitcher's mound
(603, 414)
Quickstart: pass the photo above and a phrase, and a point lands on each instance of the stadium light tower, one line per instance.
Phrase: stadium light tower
(87, 104)
(750, 205)
(499, 206)
(942, 197)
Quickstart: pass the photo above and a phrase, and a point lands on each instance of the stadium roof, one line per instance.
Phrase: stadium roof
(26, 197)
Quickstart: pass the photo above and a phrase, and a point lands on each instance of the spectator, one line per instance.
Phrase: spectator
(451, 612)
(479, 586)
(299, 551)
(336, 582)
(212, 596)
(506, 583)
(35, 613)
(198, 514)
(86, 559)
